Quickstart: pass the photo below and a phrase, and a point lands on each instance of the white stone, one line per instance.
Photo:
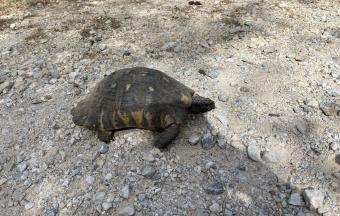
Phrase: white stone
(314, 198)
(29, 205)
(254, 153)
(90, 180)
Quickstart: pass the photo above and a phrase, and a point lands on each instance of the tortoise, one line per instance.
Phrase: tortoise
(141, 98)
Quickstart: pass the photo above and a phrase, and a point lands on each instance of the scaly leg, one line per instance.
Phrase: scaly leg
(165, 137)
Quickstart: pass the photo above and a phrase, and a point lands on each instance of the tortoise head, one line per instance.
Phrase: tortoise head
(81, 116)
(201, 105)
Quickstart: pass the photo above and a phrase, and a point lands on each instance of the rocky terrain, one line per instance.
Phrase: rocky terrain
(271, 146)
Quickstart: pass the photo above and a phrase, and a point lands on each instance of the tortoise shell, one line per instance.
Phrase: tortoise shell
(134, 98)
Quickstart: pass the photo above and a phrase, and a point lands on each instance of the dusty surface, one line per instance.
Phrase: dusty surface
(273, 68)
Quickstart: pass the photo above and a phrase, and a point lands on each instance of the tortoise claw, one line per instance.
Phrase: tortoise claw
(105, 136)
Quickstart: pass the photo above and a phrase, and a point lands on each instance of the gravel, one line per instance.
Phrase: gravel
(283, 55)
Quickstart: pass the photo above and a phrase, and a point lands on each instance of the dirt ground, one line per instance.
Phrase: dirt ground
(272, 67)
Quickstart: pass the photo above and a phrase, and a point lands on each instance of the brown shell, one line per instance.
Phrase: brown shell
(133, 98)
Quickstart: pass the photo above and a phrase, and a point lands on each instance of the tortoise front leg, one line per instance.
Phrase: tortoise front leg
(165, 137)
(105, 136)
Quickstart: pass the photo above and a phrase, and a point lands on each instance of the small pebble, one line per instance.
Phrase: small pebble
(335, 93)
(337, 159)
(307, 109)
(22, 166)
(244, 89)
(297, 109)
(221, 143)
(29, 205)
(213, 74)
(331, 109)
(207, 141)
(295, 199)
(127, 211)
(99, 196)
(312, 103)
(254, 153)
(313, 198)
(52, 212)
(203, 72)
(148, 157)
(3, 181)
(148, 171)
(106, 205)
(271, 157)
(6, 85)
(209, 165)
(103, 148)
(194, 139)
(108, 176)
(125, 192)
(215, 207)
(90, 180)
(335, 146)
(223, 98)
(171, 47)
(215, 188)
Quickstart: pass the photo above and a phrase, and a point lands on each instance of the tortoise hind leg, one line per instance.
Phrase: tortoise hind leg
(165, 137)
(105, 136)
